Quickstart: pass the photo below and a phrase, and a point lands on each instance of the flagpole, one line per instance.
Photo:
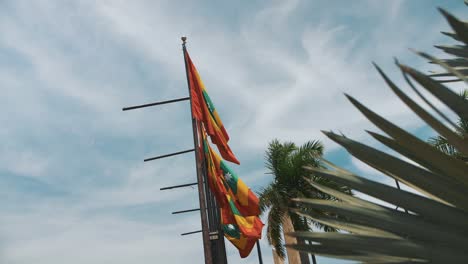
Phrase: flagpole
(398, 186)
(259, 251)
(218, 249)
(201, 189)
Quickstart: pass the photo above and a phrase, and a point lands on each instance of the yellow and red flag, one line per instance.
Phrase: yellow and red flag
(203, 110)
(242, 242)
(238, 205)
(239, 208)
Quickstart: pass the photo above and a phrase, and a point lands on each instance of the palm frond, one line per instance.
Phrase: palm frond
(458, 66)
(276, 156)
(287, 162)
(274, 231)
(442, 144)
(267, 197)
(435, 228)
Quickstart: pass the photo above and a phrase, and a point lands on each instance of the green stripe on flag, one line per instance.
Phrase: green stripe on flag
(232, 230)
(210, 105)
(208, 101)
(233, 207)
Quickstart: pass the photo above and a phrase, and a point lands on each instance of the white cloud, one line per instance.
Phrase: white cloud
(24, 163)
(94, 240)
(69, 68)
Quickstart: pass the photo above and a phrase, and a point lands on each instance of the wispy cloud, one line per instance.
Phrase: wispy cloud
(273, 70)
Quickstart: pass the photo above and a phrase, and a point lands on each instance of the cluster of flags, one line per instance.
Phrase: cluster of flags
(238, 204)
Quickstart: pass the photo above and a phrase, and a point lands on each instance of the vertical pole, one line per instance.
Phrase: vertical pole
(221, 245)
(218, 249)
(398, 186)
(259, 251)
(201, 190)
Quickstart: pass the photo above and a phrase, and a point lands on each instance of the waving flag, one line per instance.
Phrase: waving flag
(247, 200)
(213, 112)
(203, 110)
(250, 226)
(238, 205)
(242, 243)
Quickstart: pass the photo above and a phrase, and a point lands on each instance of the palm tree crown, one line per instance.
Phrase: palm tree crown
(442, 144)
(286, 162)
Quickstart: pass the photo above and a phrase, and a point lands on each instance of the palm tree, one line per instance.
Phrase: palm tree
(436, 228)
(285, 161)
(442, 144)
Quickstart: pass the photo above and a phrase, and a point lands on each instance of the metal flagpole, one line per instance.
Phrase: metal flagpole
(212, 233)
(259, 251)
(218, 249)
(398, 186)
(201, 191)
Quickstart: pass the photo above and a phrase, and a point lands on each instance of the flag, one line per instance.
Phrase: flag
(242, 243)
(240, 221)
(213, 112)
(203, 110)
(246, 201)
(201, 96)
(250, 226)
(242, 194)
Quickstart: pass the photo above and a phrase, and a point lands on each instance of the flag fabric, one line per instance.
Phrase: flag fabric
(241, 242)
(242, 194)
(239, 220)
(238, 205)
(239, 191)
(212, 110)
(203, 110)
(203, 97)
(249, 226)
(246, 201)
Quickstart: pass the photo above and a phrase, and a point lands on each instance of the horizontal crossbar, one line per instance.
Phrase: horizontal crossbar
(186, 211)
(169, 155)
(156, 103)
(178, 186)
(189, 233)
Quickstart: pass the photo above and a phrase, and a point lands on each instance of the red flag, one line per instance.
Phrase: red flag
(201, 112)
(241, 225)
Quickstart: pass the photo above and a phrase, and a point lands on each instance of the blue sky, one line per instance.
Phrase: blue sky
(73, 187)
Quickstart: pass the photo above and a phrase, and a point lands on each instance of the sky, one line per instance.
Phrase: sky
(73, 184)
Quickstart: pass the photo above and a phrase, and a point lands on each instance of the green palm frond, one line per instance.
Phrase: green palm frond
(456, 67)
(442, 144)
(286, 162)
(274, 230)
(435, 228)
(276, 156)
(267, 197)
(314, 147)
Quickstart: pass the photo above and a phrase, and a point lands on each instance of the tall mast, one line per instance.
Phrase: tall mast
(213, 237)
(201, 188)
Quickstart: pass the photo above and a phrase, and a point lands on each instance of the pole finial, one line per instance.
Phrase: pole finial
(184, 39)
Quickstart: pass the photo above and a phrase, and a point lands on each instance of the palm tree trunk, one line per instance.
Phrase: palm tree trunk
(304, 255)
(293, 255)
(276, 258)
